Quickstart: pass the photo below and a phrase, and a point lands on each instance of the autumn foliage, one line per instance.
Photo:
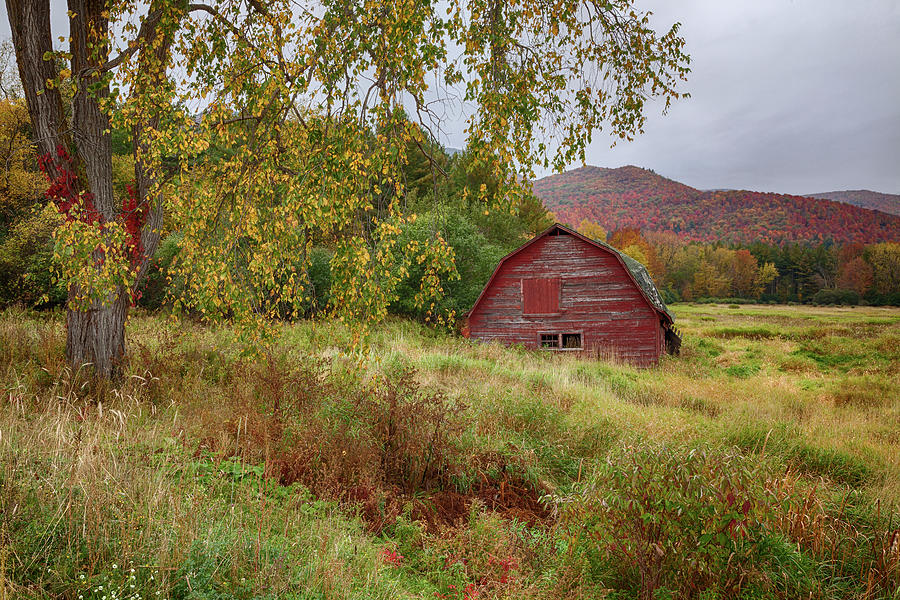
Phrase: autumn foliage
(635, 198)
(66, 190)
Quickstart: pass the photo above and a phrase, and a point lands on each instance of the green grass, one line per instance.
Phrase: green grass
(319, 474)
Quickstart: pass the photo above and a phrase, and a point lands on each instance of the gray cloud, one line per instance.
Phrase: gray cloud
(789, 96)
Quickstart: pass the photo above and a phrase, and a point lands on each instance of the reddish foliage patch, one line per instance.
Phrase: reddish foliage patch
(134, 214)
(66, 189)
(74, 202)
(392, 450)
(395, 559)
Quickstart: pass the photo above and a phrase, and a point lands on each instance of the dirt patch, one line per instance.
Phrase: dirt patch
(444, 509)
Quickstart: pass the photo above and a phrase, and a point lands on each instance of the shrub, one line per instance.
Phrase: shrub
(318, 273)
(26, 273)
(312, 422)
(155, 289)
(414, 430)
(669, 295)
(843, 297)
(476, 256)
(676, 519)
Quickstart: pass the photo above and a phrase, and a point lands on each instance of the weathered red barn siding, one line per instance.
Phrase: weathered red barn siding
(598, 298)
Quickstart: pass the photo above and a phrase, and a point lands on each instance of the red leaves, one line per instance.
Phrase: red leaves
(395, 559)
(506, 565)
(134, 215)
(66, 190)
(469, 592)
(75, 203)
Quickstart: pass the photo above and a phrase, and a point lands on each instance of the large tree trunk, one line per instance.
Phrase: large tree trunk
(97, 336)
(90, 126)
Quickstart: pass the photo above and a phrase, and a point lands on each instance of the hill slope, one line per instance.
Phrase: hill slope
(634, 197)
(889, 203)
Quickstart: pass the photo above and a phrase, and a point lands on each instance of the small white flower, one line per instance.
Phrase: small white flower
(115, 566)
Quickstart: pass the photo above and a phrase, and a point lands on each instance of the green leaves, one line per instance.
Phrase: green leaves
(677, 516)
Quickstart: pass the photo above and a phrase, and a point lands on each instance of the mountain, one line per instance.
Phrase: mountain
(635, 197)
(889, 203)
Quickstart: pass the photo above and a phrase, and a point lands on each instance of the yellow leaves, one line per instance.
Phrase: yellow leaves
(288, 151)
(93, 258)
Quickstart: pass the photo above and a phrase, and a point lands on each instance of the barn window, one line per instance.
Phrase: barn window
(561, 341)
(571, 340)
(540, 296)
(549, 340)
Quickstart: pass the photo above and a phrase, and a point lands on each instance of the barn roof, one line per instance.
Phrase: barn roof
(637, 271)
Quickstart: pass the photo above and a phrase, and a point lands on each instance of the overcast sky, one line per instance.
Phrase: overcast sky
(795, 96)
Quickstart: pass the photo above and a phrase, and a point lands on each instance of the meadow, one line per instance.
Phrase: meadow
(763, 462)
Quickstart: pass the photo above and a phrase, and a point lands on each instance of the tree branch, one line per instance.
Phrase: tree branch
(148, 26)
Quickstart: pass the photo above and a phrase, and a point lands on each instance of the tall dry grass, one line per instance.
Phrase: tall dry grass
(214, 476)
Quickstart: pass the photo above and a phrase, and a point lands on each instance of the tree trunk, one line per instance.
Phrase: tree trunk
(90, 125)
(29, 21)
(97, 336)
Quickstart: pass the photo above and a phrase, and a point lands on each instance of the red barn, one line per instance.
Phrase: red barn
(563, 291)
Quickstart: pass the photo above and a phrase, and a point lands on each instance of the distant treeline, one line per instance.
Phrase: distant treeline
(820, 274)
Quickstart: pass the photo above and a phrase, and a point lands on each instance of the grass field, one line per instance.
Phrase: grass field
(762, 462)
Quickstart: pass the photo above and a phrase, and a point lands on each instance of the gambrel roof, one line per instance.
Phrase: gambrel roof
(636, 270)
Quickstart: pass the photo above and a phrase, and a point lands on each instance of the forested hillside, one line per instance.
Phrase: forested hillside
(889, 203)
(631, 197)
